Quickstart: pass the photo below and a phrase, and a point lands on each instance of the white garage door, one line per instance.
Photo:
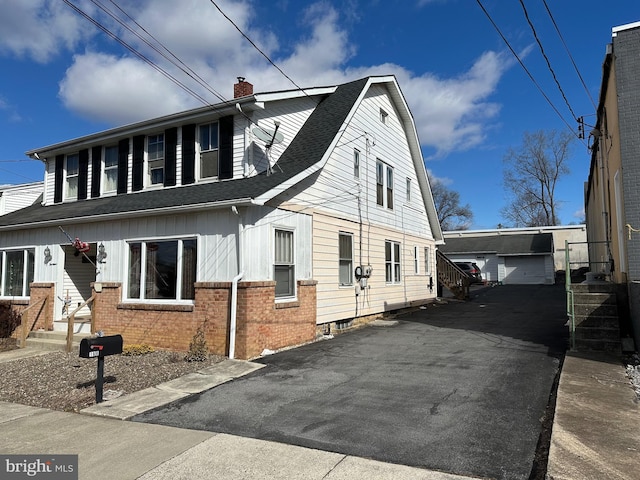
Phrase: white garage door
(524, 270)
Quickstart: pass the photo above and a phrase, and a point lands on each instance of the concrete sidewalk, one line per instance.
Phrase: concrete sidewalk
(596, 429)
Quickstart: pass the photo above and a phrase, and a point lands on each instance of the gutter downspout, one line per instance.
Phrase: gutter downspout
(234, 287)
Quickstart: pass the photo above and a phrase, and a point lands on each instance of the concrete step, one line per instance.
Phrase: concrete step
(596, 321)
(81, 325)
(607, 334)
(53, 341)
(598, 345)
(595, 287)
(603, 310)
(595, 299)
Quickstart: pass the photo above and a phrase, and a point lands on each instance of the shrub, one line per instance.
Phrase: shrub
(137, 349)
(9, 320)
(198, 350)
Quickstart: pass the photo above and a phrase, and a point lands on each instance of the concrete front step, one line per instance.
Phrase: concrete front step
(595, 321)
(53, 341)
(594, 299)
(595, 287)
(81, 325)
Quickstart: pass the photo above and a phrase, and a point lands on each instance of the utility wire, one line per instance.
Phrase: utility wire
(137, 53)
(256, 47)
(569, 53)
(546, 58)
(525, 68)
(176, 61)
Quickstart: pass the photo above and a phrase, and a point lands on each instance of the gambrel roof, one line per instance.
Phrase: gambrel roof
(306, 154)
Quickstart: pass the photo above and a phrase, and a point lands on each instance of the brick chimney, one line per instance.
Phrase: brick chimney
(242, 88)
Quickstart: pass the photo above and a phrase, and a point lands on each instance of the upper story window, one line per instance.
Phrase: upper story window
(284, 268)
(383, 116)
(408, 190)
(155, 158)
(426, 260)
(72, 169)
(384, 184)
(110, 169)
(356, 163)
(209, 144)
(16, 269)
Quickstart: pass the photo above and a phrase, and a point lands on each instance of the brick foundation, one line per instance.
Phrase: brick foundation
(41, 315)
(261, 323)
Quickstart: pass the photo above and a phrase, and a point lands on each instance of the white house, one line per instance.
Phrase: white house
(15, 197)
(261, 220)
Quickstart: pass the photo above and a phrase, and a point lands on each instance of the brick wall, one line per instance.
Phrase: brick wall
(265, 324)
(261, 323)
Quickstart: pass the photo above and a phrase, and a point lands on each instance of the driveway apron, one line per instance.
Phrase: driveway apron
(455, 387)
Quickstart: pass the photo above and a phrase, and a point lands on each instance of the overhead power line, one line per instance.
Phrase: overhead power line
(504, 39)
(569, 53)
(546, 58)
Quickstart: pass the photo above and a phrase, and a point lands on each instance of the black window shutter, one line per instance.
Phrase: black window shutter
(58, 179)
(96, 171)
(188, 154)
(83, 173)
(123, 165)
(170, 145)
(138, 162)
(226, 148)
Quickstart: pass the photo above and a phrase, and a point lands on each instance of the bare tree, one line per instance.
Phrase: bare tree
(451, 215)
(531, 175)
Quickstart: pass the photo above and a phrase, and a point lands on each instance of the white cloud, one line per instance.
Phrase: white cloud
(451, 114)
(579, 215)
(39, 29)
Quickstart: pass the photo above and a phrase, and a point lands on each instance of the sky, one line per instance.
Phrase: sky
(61, 77)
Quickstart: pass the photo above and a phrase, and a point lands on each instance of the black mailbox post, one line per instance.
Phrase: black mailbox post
(100, 347)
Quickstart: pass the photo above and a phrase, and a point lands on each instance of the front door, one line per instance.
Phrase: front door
(79, 273)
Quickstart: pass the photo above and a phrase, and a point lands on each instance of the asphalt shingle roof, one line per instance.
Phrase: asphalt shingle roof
(305, 150)
(510, 244)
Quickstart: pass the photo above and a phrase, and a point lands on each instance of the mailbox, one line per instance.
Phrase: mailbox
(101, 346)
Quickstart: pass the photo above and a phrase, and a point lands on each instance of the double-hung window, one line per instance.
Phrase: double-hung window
(426, 260)
(384, 184)
(155, 152)
(110, 169)
(392, 261)
(345, 254)
(16, 267)
(356, 163)
(162, 269)
(209, 150)
(72, 169)
(408, 190)
(283, 268)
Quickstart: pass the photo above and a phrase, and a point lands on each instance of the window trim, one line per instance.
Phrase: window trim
(416, 260)
(26, 280)
(427, 260)
(292, 294)
(393, 276)
(106, 168)
(148, 161)
(385, 174)
(199, 175)
(356, 163)
(384, 116)
(143, 259)
(345, 259)
(67, 176)
(408, 189)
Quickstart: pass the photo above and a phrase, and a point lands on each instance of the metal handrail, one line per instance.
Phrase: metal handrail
(71, 319)
(23, 331)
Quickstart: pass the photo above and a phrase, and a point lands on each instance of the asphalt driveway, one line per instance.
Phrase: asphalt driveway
(459, 387)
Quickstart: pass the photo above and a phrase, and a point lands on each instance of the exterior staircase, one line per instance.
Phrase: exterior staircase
(596, 317)
(452, 277)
